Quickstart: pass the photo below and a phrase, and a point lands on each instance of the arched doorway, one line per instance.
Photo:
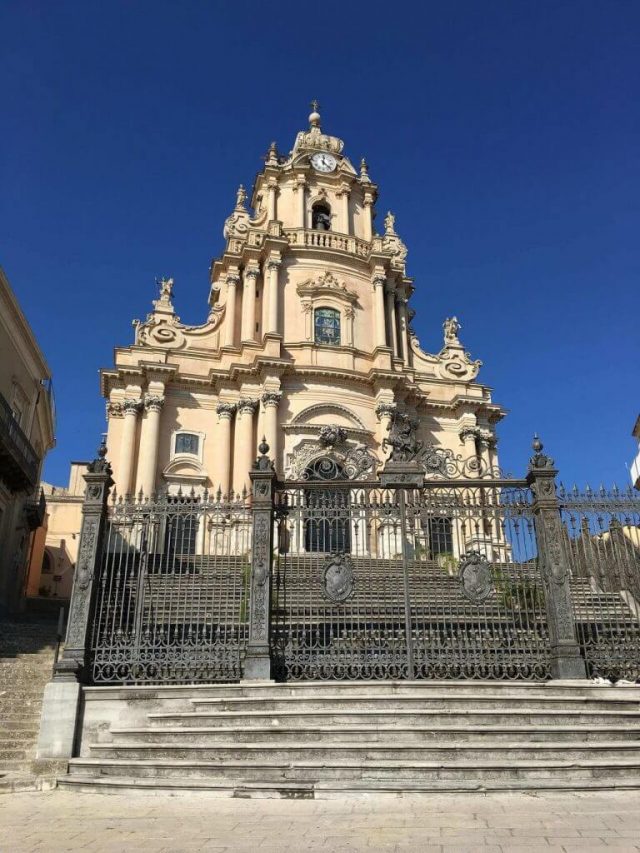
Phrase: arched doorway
(327, 518)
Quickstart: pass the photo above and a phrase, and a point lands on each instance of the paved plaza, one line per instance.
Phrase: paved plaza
(504, 823)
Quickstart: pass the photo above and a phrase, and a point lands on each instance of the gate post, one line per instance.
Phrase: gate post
(566, 660)
(257, 666)
(61, 700)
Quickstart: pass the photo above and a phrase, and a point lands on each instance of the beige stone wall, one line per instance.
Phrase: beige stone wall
(27, 417)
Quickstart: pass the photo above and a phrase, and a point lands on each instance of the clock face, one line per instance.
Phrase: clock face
(324, 162)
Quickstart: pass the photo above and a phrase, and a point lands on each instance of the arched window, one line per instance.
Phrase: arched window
(47, 564)
(326, 326)
(321, 216)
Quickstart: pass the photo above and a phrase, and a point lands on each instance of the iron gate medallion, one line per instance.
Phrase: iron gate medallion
(337, 578)
(475, 576)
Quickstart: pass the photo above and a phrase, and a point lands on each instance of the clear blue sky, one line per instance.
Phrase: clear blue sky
(504, 135)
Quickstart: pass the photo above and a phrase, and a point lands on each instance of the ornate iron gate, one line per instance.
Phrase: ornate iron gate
(602, 542)
(172, 587)
(435, 582)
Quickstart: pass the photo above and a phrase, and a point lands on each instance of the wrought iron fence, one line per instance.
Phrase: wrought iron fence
(172, 591)
(435, 582)
(602, 542)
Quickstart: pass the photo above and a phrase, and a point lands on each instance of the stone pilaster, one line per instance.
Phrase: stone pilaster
(257, 665)
(566, 660)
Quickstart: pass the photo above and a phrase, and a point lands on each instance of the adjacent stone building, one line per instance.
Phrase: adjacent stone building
(26, 434)
(307, 341)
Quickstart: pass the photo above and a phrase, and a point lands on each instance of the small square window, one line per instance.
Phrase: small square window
(186, 442)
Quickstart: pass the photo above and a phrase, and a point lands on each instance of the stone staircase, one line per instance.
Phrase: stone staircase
(27, 649)
(320, 740)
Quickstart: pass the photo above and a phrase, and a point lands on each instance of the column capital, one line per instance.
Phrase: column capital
(252, 271)
(378, 280)
(274, 263)
(271, 398)
(247, 405)
(468, 431)
(232, 279)
(153, 402)
(132, 407)
(386, 410)
(226, 410)
(115, 409)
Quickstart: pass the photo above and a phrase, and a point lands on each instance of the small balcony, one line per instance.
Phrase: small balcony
(18, 460)
(329, 240)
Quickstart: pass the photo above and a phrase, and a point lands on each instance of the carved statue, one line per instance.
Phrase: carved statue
(389, 223)
(331, 435)
(166, 288)
(241, 197)
(451, 328)
(402, 438)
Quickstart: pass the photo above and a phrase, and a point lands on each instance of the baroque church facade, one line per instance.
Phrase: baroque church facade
(308, 342)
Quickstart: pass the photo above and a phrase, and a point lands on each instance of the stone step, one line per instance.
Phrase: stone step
(13, 753)
(431, 717)
(443, 751)
(454, 689)
(18, 783)
(388, 732)
(389, 770)
(424, 700)
(328, 790)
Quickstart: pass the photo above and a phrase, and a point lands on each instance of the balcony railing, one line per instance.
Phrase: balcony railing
(328, 240)
(18, 460)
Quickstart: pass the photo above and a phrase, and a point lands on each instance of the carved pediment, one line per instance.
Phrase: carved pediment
(327, 284)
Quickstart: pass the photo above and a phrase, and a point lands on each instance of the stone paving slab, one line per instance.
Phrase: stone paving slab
(552, 822)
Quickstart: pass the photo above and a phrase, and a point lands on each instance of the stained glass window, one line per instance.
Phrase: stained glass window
(187, 443)
(327, 326)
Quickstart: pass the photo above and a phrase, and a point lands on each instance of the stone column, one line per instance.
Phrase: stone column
(272, 309)
(243, 444)
(343, 195)
(484, 439)
(404, 329)
(272, 190)
(300, 191)
(391, 318)
(148, 454)
(566, 660)
(471, 461)
(385, 412)
(61, 700)
(271, 401)
(257, 665)
(225, 412)
(131, 410)
(230, 315)
(367, 216)
(378, 299)
(249, 304)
